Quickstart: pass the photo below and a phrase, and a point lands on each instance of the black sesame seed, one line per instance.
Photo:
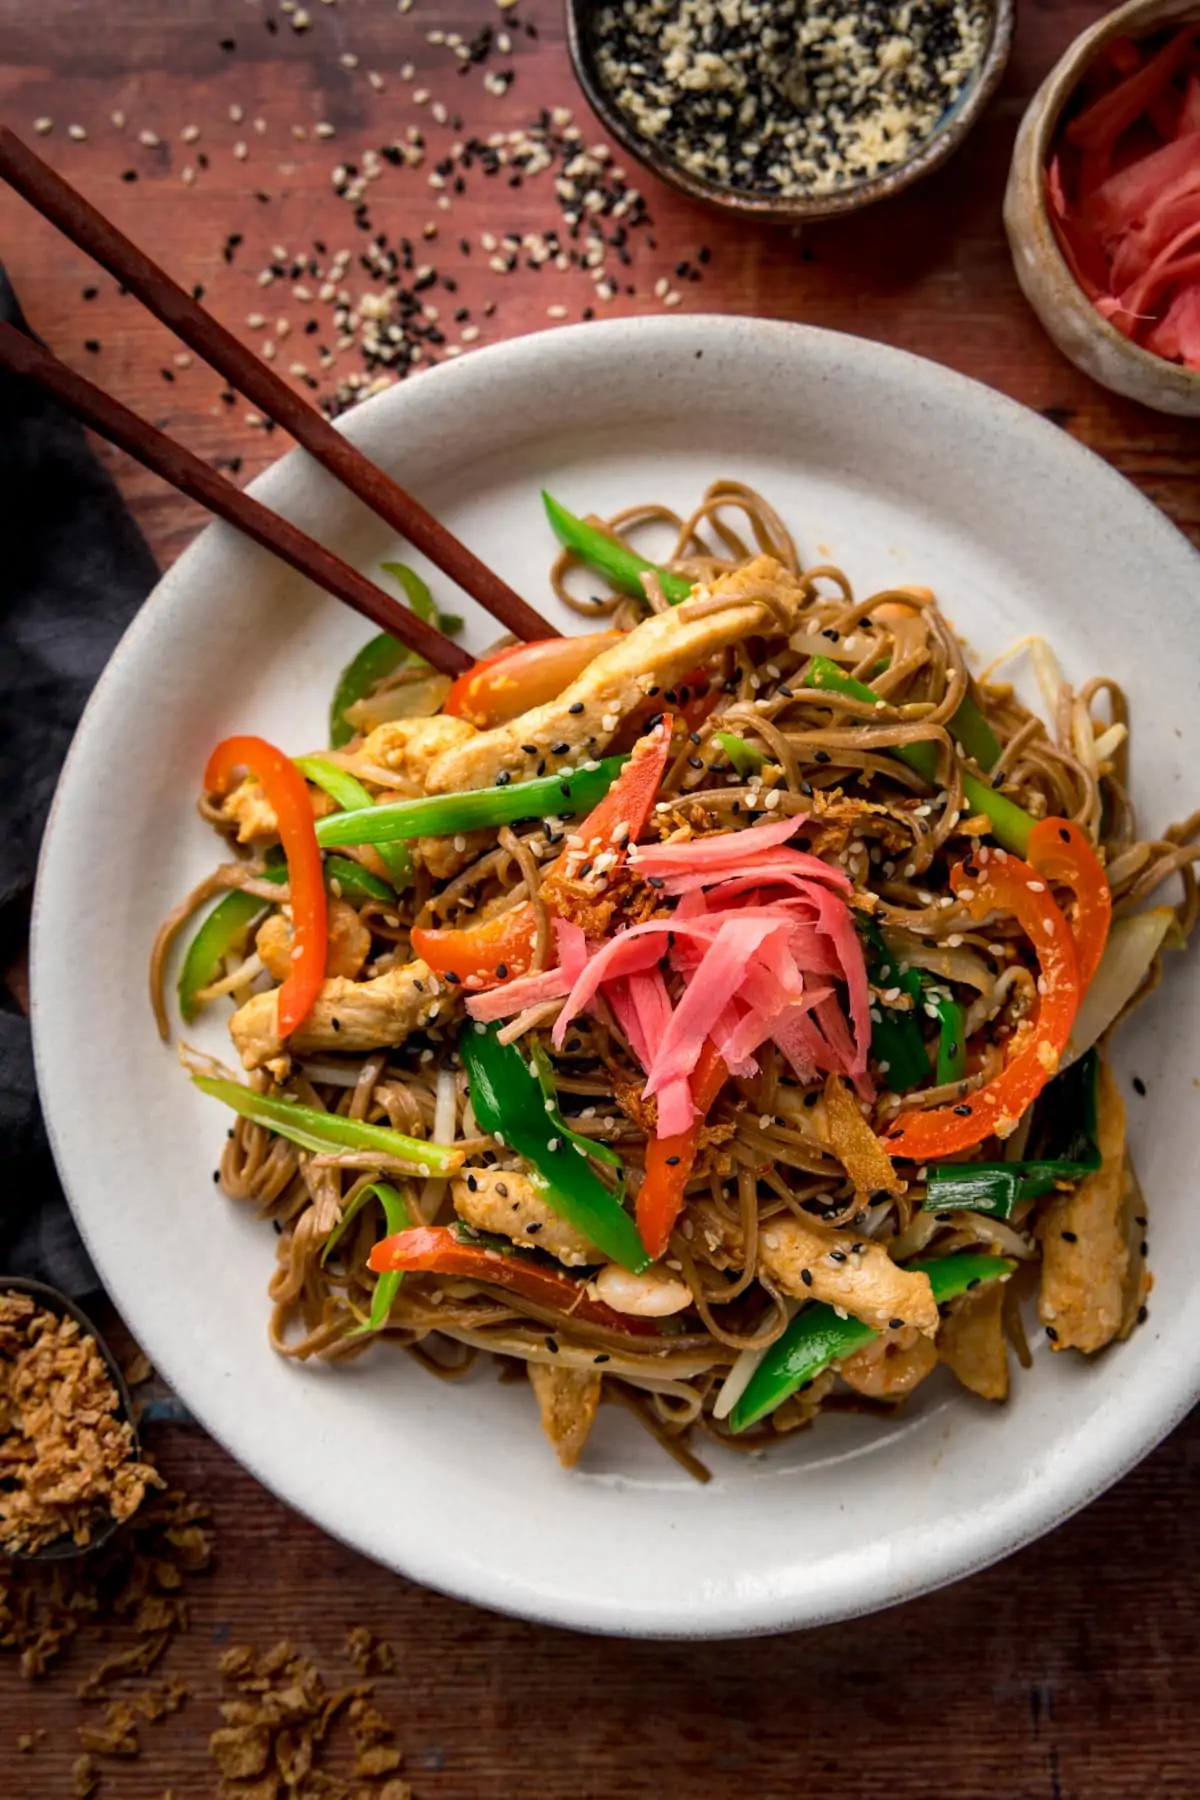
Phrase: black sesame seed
(1052, 1334)
(895, 1324)
(1139, 1086)
(576, 708)
(1069, 1237)
(673, 1162)
(806, 1277)
(1143, 1314)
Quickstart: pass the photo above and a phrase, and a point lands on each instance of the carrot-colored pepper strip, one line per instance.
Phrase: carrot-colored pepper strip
(669, 1160)
(484, 956)
(1004, 884)
(522, 676)
(440, 1250)
(1060, 852)
(287, 794)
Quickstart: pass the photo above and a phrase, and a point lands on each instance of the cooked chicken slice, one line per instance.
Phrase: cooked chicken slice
(1138, 1279)
(658, 653)
(348, 948)
(891, 1365)
(814, 1262)
(444, 858)
(348, 1015)
(567, 1400)
(409, 747)
(971, 1342)
(248, 808)
(1085, 1255)
(497, 1200)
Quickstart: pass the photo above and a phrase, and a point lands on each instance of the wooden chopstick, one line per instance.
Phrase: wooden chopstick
(79, 220)
(192, 476)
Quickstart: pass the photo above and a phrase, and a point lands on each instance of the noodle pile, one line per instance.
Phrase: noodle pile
(828, 759)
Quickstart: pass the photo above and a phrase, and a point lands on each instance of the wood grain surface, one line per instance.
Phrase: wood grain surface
(1069, 1672)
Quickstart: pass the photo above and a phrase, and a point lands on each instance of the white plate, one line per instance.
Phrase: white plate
(896, 469)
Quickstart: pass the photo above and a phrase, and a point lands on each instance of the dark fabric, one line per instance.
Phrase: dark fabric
(73, 571)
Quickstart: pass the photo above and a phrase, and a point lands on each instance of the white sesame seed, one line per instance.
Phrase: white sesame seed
(189, 134)
(376, 80)
(77, 133)
(118, 120)
(470, 334)
(236, 114)
(43, 126)
(268, 349)
(241, 151)
(348, 59)
(556, 312)
(187, 174)
(182, 359)
(324, 129)
(151, 139)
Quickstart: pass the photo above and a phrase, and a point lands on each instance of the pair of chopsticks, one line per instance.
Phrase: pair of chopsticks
(80, 221)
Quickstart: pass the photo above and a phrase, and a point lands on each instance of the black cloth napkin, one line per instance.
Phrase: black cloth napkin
(74, 569)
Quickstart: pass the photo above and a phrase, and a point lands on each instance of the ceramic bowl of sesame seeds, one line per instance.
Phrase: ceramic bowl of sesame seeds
(1103, 204)
(789, 110)
(908, 477)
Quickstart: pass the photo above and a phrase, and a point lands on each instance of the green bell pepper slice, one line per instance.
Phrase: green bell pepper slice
(817, 1336)
(382, 655)
(226, 926)
(356, 883)
(746, 758)
(619, 564)
(511, 1104)
(397, 1217)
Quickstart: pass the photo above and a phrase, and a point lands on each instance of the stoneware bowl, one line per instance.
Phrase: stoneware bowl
(954, 127)
(898, 470)
(1083, 336)
(65, 1549)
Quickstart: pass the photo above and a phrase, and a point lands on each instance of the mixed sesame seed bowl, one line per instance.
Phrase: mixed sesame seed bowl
(789, 110)
(901, 472)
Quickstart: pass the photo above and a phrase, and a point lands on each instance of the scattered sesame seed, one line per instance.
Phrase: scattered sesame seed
(77, 133)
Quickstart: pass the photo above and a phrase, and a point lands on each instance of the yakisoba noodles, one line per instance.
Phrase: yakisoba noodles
(707, 1012)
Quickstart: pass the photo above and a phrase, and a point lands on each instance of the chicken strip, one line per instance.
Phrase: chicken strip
(657, 654)
(248, 808)
(408, 748)
(1085, 1250)
(497, 1200)
(349, 943)
(348, 1015)
(815, 1262)
(567, 1400)
(971, 1342)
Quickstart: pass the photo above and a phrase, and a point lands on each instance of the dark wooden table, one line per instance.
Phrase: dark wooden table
(1070, 1671)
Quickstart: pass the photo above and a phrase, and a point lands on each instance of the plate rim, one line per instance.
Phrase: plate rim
(1025, 1516)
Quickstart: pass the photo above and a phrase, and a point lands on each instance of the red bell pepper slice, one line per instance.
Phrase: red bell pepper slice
(287, 794)
(1061, 852)
(438, 1250)
(487, 955)
(522, 676)
(670, 1160)
(1004, 884)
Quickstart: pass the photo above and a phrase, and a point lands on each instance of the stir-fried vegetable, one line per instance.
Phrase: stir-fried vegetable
(381, 656)
(818, 1337)
(319, 1131)
(457, 1250)
(502, 949)
(353, 882)
(669, 1160)
(621, 565)
(444, 815)
(350, 794)
(223, 931)
(1010, 823)
(398, 1218)
(896, 1042)
(746, 758)
(523, 676)
(286, 793)
(511, 1103)
(1060, 852)
(952, 1037)
(1133, 943)
(1063, 1146)
(1004, 886)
